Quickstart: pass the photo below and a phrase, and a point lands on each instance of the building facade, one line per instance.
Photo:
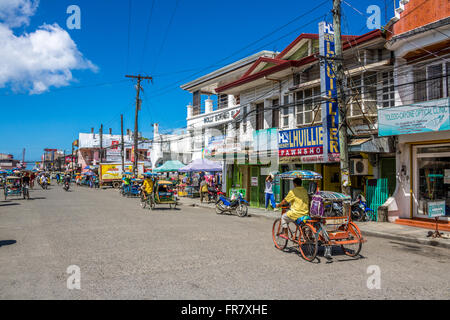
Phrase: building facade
(284, 94)
(420, 120)
(92, 150)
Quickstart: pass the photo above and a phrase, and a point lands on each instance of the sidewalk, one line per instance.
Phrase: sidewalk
(385, 230)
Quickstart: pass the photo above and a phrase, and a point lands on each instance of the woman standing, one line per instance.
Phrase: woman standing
(269, 193)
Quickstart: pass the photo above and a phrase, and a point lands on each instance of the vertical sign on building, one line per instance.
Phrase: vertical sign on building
(330, 115)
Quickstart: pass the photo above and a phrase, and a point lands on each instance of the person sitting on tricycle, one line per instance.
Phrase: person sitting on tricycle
(147, 187)
(299, 200)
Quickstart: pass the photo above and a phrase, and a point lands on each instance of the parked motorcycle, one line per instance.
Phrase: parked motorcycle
(214, 193)
(238, 205)
(360, 210)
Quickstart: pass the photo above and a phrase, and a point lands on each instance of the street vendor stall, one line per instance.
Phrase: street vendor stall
(200, 166)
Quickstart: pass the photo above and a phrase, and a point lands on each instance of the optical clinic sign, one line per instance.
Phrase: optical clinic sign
(426, 116)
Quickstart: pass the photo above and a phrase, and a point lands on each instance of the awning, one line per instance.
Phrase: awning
(371, 145)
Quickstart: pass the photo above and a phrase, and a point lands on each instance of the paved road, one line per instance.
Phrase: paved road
(125, 252)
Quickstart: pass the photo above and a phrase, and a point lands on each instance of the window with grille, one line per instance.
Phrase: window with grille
(244, 119)
(387, 97)
(275, 113)
(285, 112)
(305, 106)
(370, 92)
(222, 101)
(260, 116)
(355, 102)
(431, 82)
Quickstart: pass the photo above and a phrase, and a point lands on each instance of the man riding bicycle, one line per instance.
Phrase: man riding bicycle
(299, 200)
(147, 188)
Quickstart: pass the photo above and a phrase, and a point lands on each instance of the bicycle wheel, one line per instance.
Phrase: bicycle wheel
(308, 243)
(279, 242)
(353, 249)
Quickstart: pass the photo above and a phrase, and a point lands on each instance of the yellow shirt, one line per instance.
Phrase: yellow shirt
(148, 185)
(299, 200)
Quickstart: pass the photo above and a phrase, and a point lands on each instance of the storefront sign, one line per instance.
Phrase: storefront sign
(428, 116)
(227, 115)
(254, 181)
(436, 209)
(303, 145)
(330, 114)
(235, 192)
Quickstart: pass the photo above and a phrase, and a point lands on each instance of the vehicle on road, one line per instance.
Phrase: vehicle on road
(236, 205)
(66, 186)
(361, 211)
(14, 187)
(328, 224)
(110, 174)
(163, 193)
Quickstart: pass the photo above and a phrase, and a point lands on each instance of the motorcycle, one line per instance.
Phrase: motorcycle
(66, 186)
(214, 193)
(238, 205)
(360, 211)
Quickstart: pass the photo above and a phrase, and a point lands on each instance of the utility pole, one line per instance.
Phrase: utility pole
(340, 76)
(101, 143)
(138, 103)
(121, 143)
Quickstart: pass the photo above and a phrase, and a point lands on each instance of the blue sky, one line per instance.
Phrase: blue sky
(201, 34)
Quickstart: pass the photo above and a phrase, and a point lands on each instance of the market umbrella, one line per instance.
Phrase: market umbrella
(202, 165)
(302, 174)
(170, 166)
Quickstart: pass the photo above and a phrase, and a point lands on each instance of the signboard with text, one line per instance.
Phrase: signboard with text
(428, 116)
(303, 145)
(330, 108)
(436, 209)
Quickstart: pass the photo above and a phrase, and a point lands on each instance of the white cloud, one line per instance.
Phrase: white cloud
(16, 13)
(38, 60)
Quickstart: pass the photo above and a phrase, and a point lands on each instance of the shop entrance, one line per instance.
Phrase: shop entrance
(431, 185)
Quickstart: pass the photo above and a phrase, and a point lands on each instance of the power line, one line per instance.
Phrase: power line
(146, 35)
(170, 87)
(129, 35)
(165, 37)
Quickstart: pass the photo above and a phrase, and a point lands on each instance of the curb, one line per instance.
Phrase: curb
(424, 241)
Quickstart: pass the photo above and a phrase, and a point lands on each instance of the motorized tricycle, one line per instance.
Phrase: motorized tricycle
(163, 193)
(14, 187)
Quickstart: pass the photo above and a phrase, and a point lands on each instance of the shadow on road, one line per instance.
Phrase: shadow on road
(336, 252)
(7, 242)
(9, 204)
(37, 198)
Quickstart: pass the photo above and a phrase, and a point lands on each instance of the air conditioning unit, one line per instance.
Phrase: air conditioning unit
(359, 167)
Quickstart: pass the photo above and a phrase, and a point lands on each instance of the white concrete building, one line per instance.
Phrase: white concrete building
(420, 119)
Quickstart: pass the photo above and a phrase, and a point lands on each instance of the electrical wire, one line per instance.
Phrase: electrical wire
(146, 35)
(155, 64)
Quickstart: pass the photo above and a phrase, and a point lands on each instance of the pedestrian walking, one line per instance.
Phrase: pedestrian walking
(203, 189)
(269, 193)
